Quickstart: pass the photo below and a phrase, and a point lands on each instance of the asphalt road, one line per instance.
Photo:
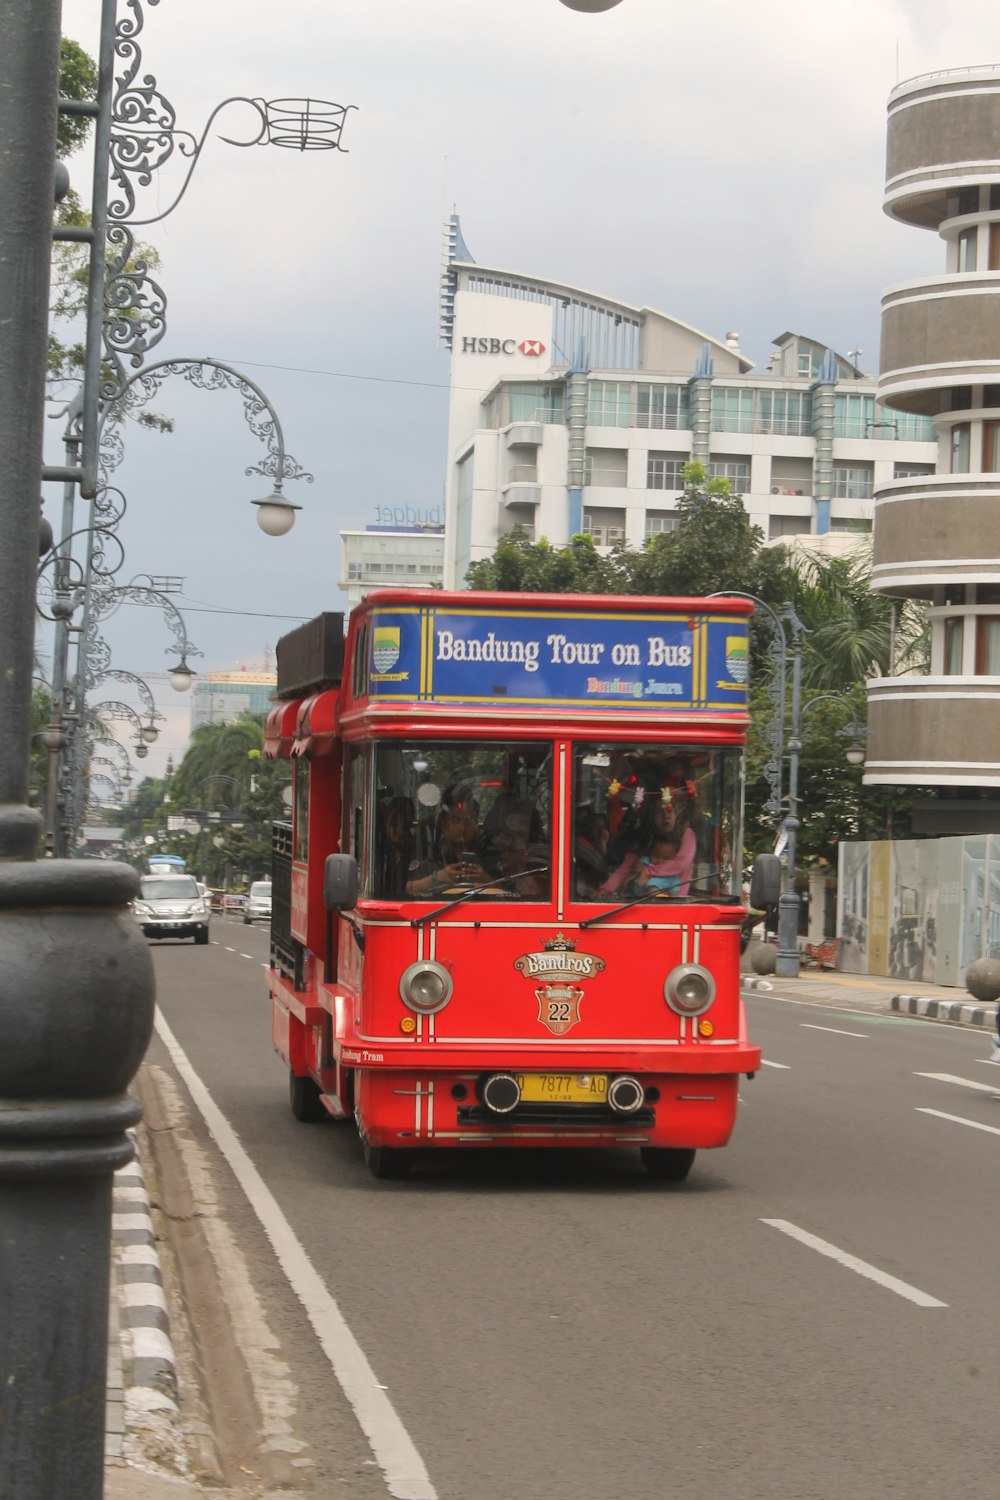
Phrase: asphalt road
(811, 1315)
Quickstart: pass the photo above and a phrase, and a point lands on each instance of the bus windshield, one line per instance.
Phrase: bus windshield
(657, 818)
(451, 815)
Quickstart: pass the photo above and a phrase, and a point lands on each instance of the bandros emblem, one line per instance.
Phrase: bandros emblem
(385, 647)
(559, 965)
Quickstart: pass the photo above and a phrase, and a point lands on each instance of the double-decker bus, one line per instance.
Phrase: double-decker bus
(507, 909)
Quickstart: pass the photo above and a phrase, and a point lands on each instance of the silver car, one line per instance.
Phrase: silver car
(172, 906)
(258, 903)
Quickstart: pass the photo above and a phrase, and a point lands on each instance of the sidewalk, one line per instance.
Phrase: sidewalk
(934, 1002)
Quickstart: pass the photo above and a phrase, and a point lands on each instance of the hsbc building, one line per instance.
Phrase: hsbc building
(570, 411)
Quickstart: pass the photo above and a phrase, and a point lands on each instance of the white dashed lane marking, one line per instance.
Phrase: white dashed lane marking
(852, 1263)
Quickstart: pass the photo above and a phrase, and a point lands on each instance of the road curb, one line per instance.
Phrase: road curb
(748, 983)
(936, 1008)
(147, 1426)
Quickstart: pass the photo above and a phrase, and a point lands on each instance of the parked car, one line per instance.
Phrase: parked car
(171, 906)
(258, 903)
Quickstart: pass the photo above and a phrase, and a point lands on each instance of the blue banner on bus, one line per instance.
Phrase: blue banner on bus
(671, 660)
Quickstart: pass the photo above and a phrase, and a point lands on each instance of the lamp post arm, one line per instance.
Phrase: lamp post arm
(775, 733)
(260, 415)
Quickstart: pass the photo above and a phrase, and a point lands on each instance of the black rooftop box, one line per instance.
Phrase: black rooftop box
(311, 657)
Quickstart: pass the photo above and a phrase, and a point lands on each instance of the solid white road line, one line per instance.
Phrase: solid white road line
(891, 1283)
(395, 1453)
(808, 1026)
(965, 1083)
(958, 1120)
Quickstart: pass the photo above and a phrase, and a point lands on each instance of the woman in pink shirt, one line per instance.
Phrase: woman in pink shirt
(666, 853)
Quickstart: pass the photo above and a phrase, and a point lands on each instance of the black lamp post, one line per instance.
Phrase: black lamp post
(76, 984)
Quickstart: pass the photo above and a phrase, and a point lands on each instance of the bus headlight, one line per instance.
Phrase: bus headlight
(689, 989)
(425, 987)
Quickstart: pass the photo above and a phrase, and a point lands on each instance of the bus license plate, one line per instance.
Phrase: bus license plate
(563, 1088)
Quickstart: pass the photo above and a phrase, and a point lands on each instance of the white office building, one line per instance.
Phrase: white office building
(572, 412)
(390, 557)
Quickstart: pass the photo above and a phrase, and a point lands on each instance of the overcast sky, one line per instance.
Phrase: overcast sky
(722, 162)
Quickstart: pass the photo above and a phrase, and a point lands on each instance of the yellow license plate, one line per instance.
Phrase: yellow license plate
(563, 1088)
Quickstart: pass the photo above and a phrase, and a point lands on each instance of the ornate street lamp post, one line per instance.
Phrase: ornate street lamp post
(76, 983)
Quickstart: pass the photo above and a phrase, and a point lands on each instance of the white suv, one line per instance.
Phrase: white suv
(258, 903)
(171, 906)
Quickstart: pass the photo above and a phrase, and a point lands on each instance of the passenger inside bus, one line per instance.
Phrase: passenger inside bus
(590, 852)
(665, 845)
(395, 846)
(455, 860)
(514, 846)
(672, 815)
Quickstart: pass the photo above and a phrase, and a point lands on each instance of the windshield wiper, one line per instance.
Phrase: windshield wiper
(645, 896)
(475, 890)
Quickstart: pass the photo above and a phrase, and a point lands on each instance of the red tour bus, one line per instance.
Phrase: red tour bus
(507, 909)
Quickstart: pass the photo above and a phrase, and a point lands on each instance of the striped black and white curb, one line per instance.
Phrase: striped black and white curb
(937, 1008)
(747, 982)
(148, 1425)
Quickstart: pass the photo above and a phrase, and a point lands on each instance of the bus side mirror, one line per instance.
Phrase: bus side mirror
(340, 882)
(765, 882)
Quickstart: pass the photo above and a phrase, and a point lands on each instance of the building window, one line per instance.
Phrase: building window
(967, 249)
(993, 254)
(606, 466)
(662, 406)
(852, 482)
(788, 413)
(736, 470)
(911, 471)
(606, 527)
(988, 646)
(912, 428)
(854, 415)
(860, 525)
(953, 642)
(732, 409)
(960, 435)
(779, 526)
(609, 404)
(991, 447)
(534, 404)
(659, 521)
(665, 471)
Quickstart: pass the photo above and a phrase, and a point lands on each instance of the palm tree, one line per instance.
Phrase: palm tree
(854, 634)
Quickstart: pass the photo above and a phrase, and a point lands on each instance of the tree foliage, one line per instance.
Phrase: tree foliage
(227, 795)
(77, 80)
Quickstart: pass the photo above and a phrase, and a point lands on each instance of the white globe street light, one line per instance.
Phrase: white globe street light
(181, 677)
(276, 515)
(150, 733)
(591, 7)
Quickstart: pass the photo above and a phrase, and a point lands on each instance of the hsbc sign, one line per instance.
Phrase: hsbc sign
(502, 346)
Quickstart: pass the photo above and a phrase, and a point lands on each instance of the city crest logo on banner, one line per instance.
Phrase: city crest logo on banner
(737, 657)
(385, 647)
(559, 965)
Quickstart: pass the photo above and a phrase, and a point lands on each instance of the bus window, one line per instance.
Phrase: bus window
(454, 814)
(657, 817)
(301, 805)
(353, 840)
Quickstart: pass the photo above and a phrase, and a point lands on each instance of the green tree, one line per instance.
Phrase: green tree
(853, 632)
(233, 795)
(77, 80)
